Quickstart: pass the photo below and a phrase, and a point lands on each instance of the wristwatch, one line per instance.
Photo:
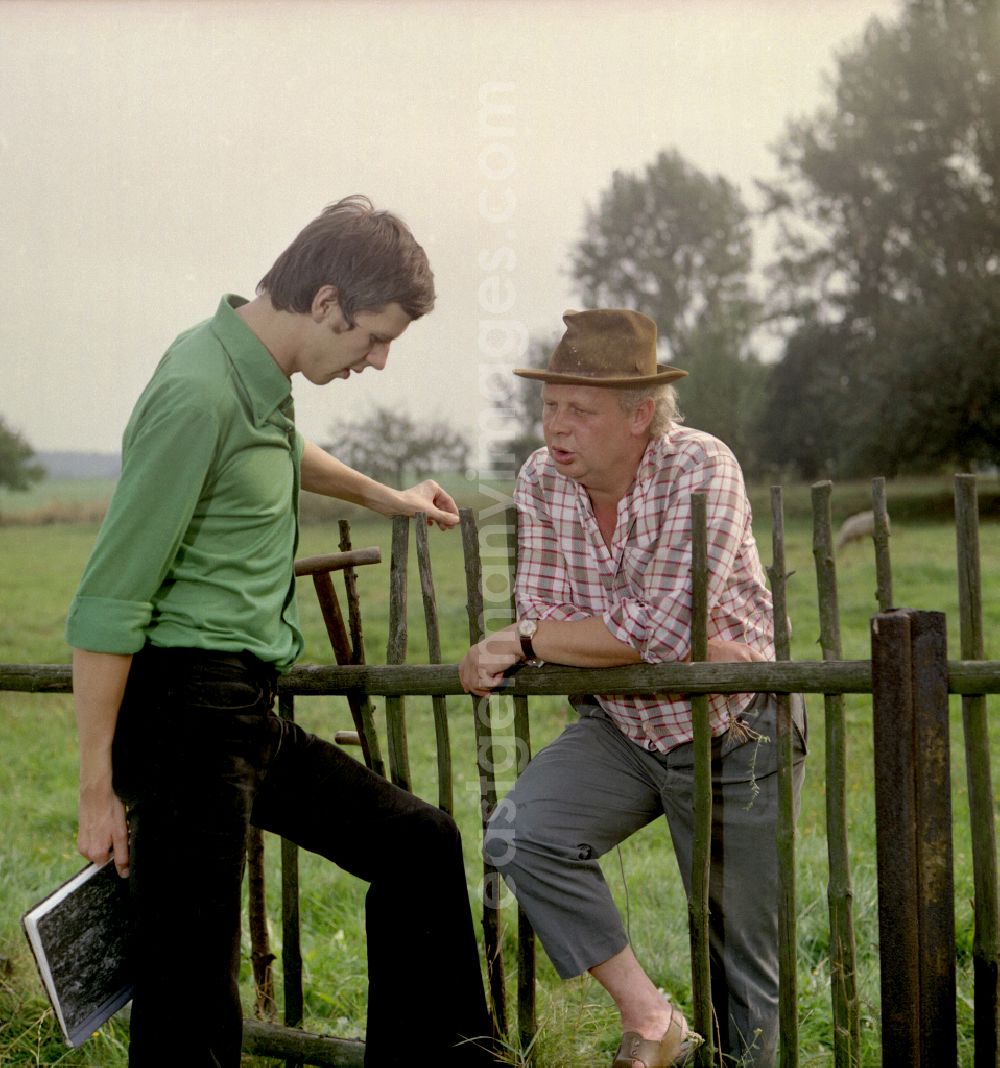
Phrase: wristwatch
(526, 631)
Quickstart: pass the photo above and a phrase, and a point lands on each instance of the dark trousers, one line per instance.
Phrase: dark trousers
(198, 757)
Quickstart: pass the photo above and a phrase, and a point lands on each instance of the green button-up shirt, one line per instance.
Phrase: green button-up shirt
(198, 545)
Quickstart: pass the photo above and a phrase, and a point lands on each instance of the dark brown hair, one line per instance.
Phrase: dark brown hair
(370, 256)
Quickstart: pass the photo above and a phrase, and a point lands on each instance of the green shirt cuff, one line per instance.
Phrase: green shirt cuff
(104, 625)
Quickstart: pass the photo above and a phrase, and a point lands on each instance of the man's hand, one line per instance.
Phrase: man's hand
(732, 652)
(98, 685)
(103, 831)
(428, 497)
(483, 666)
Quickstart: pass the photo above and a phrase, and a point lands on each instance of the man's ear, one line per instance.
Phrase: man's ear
(642, 416)
(325, 302)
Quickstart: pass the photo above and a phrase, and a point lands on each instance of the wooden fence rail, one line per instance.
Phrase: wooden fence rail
(836, 677)
(921, 1027)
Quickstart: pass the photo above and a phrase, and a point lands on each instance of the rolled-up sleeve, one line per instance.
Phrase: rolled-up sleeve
(167, 451)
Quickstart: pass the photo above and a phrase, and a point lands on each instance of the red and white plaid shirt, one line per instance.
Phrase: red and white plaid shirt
(641, 584)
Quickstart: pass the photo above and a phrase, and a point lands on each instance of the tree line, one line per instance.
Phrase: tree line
(873, 343)
(883, 297)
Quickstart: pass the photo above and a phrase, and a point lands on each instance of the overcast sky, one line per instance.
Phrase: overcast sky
(156, 155)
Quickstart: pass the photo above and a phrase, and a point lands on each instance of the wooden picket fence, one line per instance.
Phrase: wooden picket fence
(909, 678)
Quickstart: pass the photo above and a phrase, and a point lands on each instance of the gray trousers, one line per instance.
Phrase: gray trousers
(592, 788)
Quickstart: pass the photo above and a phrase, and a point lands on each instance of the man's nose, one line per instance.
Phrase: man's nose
(378, 356)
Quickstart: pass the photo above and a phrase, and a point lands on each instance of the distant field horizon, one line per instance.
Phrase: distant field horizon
(79, 463)
(83, 495)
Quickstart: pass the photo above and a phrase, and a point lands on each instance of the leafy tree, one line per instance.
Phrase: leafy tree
(677, 245)
(891, 230)
(390, 446)
(16, 470)
(951, 377)
(800, 418)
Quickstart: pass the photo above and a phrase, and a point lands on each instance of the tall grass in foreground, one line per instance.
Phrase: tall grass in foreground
(39, 567)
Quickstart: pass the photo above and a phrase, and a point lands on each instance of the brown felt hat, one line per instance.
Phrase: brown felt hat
(606, 347)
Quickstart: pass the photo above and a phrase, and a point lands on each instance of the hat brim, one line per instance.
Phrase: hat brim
(665, 373)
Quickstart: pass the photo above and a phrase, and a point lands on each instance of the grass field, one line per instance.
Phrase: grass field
(39, 567)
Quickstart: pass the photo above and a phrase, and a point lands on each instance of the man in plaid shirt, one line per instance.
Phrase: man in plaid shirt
(604, 565)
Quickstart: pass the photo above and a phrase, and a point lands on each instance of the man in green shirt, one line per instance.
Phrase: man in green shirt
(185, 616)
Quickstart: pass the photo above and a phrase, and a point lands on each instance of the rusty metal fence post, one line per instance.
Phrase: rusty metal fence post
(913, 838)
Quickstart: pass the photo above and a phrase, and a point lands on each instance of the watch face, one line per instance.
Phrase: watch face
(526, 629)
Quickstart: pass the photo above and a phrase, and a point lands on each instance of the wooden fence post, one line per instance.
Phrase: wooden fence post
(788, 998)
(527, 1024)
(439, 703)
(701, 844)
(913, 838)
(880, 536)
(261, 957)
(395, 706)
(986, 939)
(840, 894)
(291, 935)
(358, 647)
(487, 783)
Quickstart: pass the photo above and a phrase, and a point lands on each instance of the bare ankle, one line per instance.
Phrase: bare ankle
(650, 1019)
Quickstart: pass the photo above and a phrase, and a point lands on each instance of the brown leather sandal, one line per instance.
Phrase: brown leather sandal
(673, 1049)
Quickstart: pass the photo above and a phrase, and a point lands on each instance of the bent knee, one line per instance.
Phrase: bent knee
(519, 836)
(429, 829)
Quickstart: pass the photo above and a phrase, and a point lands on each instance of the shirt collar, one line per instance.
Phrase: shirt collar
(266, 385)
(652, 458)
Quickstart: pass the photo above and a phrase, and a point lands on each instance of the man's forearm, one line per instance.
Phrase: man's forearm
(98, 686)
(575, 643)
(581, 643)
(322, 473)
(589, 643)
(325, 474)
